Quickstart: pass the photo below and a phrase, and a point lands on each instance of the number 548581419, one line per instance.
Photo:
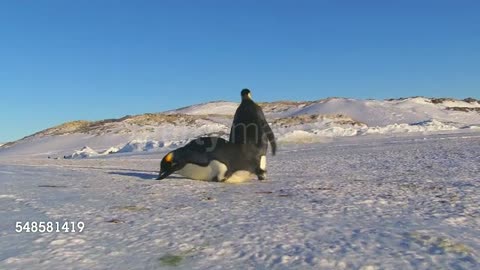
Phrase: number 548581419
(49, 226)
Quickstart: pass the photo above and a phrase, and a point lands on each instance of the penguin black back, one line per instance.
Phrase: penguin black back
(250, 126)
(212, 158)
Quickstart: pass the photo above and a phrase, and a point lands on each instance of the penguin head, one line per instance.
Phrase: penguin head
(169, 164)
(246, 94)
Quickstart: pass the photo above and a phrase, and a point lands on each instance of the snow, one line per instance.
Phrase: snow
(316, 133)
(292, 122)
(460, 103)
(216, 107)
(312, 136)
(111, 150)
(356, 184)
(395, 201)
(425, 126)
(382, 113)
(83, 153)
(306, 133)
(59, 146)
(87, 152)
(166, 135)
(140, 145)
(297, 136)
(371, 112)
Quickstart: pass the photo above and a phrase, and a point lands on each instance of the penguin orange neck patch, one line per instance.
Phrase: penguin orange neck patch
(169, 157)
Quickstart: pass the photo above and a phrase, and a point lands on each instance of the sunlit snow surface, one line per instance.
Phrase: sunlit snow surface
(406, 202)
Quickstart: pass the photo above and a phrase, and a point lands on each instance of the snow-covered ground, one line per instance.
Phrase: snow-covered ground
(363, 202)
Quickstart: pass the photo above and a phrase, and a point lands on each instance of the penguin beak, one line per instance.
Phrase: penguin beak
(163, 175)
(166, 166)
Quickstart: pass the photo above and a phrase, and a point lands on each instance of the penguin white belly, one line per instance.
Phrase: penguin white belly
(239, 177)
(206, 173)
(263, 163)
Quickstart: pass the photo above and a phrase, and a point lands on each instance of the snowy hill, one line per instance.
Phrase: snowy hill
(395, 186)
(216, 107)
(292, 122)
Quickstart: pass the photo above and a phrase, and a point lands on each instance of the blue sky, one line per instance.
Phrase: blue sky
(66, 60)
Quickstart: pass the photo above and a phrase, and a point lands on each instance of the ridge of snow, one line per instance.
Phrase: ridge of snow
(306, 134)
(425, 126)
(85, 152)
(316, 135)
(460, 103)
(140, 146)
(215, 107)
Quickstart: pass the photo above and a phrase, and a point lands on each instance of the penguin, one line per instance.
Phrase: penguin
(213, 159)
(250, 127)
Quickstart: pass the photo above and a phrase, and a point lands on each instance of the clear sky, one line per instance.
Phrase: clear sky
(66, 60)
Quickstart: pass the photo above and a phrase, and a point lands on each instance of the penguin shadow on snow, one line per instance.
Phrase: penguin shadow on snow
(142, 175)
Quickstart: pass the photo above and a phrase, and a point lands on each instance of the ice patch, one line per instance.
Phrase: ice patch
(58, 242)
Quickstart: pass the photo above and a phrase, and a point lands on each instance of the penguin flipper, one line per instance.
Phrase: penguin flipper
(271, 137)
(273, 144)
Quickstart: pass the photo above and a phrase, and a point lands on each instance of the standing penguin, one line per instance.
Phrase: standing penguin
(213, 159)
(250, 127)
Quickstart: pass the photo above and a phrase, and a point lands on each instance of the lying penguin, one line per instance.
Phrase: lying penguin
(213, 159)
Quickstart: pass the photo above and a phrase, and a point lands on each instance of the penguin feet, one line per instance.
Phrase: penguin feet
(262, 175)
